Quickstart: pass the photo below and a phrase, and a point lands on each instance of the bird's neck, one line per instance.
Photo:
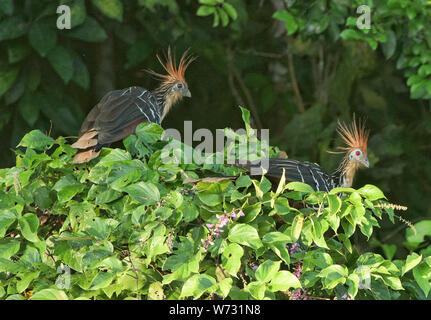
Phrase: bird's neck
(346, 172)
(166, 99)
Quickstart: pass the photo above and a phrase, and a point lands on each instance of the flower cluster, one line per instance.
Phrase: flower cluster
(293, 248)
(217, 228)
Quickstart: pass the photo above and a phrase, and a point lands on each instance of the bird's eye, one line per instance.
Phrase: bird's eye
(358, 153)
(179, 85)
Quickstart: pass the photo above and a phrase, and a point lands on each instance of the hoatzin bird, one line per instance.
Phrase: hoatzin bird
(119, 112)
(355, 136)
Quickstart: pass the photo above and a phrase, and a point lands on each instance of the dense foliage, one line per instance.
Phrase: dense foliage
(131, 226)
(298, 66)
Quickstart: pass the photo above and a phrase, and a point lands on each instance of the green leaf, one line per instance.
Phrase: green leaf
(67, 187)
(197, 285)
(334, 203)
(231, 258)
(371, 192)
(49, 294)
(297, 223)
(422, 275)
(29, 223)
(286, 17)
(149, 132)
(231, 11)
(284, 280)
(110, 8)
(390, 45)
(62, 62)
(89, 31)
(246, 235)
(256, 289)
(102, 280)
(6, 6)
(8, 76)
(415, 237)
(412, 261)
(333, 275)
(35, 139)
(8, 247)
(25, 280)
(299, 186)
(138, 52)
(143, 192)
(81, 75)
(267, 270)
(205, 11)
(7, 217)
(42, 37)
(351, 34)
(12, 28)
(223, 16)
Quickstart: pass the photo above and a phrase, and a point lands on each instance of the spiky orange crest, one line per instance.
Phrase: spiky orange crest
(175, 73)
(355, 136)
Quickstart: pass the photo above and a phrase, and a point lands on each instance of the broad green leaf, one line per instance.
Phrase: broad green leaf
(143, 192)
(8, 247)
(412, 261)
(333, 275)
(35, 139)
(230, 10)
(256, 289)
(29, 223)
(49, 294)
(8, 76)
(102, 280)
(42, 36)
(7, 217)
(422, 275)
(267, 270)
(299, 186)
(288, 18)
(197, 285)
(297, 226)
(110, 8)
(62, 62)
(12, 28)
(67, 187)
(245, 235)
(89, 31)
(371, 192)
(205, 11)
(284, 280)
(231, 258)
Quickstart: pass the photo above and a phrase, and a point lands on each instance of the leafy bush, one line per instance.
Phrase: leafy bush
(128, 227)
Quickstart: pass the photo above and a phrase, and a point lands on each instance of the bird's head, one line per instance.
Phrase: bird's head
(173, 84)
(356, 138)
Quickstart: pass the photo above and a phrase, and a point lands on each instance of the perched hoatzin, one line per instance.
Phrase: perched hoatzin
(119, 112)
(355, 136)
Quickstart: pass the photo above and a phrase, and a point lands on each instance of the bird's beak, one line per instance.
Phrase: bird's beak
(365, 162)
(188, 93)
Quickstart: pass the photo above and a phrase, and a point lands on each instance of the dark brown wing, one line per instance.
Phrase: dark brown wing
(295, 170)
(119, 112)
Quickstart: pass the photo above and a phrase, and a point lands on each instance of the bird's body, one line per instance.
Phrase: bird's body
(119, 112)
(355, 156)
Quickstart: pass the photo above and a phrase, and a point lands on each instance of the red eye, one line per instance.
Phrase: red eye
(179, 85)
(358, 153)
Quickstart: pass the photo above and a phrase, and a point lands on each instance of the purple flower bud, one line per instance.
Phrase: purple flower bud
(254, 268)
(209, 225)
(233, 214)
(241, 213)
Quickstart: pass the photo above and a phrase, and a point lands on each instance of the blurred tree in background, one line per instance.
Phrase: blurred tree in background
(297, 65)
